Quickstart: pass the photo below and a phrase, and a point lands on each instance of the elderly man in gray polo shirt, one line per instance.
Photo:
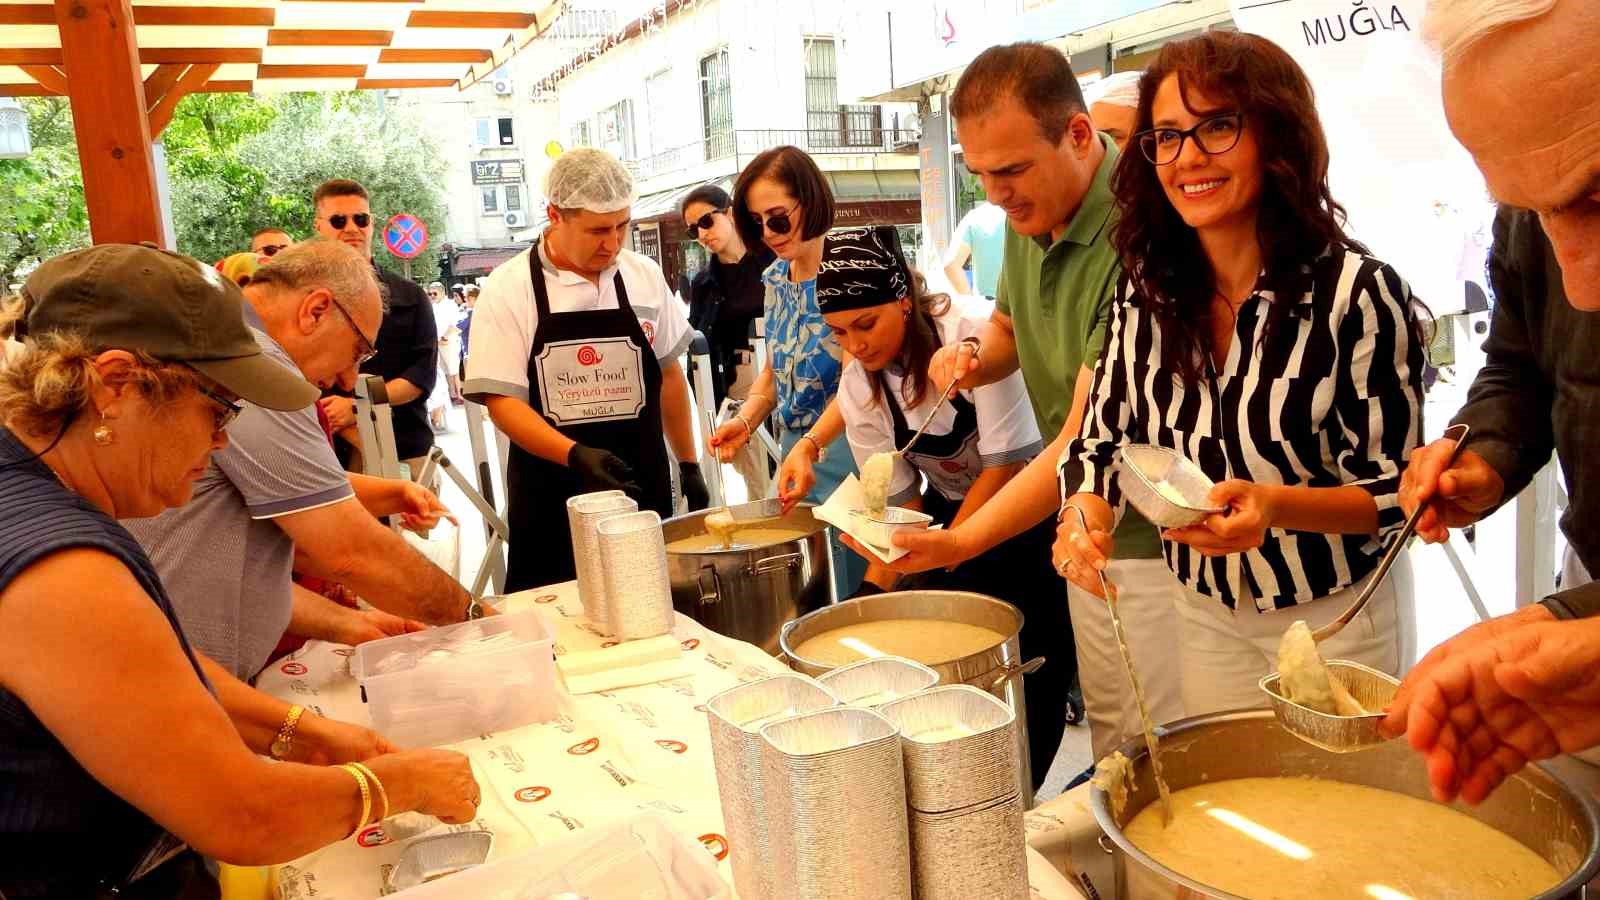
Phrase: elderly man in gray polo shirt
(276, 500)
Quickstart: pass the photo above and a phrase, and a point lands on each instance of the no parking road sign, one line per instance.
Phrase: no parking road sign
(405, 236)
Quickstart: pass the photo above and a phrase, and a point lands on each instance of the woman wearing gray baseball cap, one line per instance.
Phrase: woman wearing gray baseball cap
(114, 753)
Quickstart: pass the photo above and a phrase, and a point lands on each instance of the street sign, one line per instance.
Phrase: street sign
(496, 171)
(405, 236)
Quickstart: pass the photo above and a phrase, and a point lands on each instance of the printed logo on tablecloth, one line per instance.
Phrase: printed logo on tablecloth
(674, 746)
(532, 794)
(691, 643)
(584, 748)
(716, 845)
(345, 652)
(622, 778)
(545, 598)
(571, 823)
(293, 668)
(510, 758)
(374, 836)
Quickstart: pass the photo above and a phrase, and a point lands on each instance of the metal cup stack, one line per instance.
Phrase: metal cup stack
(633, 557)
(874, 682)
(737, 715)
(834, 782)
(961, 765)
(584, 512)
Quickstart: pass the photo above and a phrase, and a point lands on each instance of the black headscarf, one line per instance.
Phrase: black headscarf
(861, 267)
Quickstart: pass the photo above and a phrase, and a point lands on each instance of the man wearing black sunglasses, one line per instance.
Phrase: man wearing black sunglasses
(407, 344)
(268, 241)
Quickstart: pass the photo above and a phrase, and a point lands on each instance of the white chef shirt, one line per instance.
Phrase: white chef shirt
(506, 317)
(1007, 431)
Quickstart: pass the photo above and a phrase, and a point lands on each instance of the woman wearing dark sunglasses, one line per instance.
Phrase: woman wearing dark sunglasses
(783, 200)
(727, 294)
(1253, 336)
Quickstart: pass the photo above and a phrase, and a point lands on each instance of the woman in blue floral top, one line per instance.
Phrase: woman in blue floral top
(783, 200)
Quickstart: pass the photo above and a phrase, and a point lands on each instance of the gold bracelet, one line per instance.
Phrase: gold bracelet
(284, 742)
(382, 794)
(366, 798)
(748, 431)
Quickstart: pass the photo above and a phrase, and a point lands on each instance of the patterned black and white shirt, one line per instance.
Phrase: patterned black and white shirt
(1332, 397)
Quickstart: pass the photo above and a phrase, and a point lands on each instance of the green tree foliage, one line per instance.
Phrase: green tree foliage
(41, 197)
(236, 163)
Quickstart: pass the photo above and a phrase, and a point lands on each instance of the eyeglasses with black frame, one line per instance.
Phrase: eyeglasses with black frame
(702, 224)
(338, 220)
(1214, 135)
(365, 350)
(780, 223)
(228, 409)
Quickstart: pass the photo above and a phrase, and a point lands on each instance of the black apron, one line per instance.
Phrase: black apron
(1017, 571)
(569, 348)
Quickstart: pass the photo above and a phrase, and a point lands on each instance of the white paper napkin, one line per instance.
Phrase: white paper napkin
(628, 664)
(839, 510)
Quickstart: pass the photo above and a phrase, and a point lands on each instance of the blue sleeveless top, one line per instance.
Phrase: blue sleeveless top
(62, 834)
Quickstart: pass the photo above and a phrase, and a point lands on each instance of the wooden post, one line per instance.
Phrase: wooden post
(109, 113)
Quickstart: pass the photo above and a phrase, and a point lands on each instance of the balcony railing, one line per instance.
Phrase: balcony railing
(744, 144)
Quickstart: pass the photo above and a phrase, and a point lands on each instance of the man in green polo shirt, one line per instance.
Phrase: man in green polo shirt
(1025, 132)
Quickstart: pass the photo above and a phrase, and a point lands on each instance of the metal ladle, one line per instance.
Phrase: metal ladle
(1374, 690)
(1150, 741)
(949, 389)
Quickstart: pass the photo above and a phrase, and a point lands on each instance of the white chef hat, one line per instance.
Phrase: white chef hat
(590, 179)
(1121, 89)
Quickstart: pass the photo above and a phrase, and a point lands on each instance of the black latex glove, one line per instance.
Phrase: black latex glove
(694, 486)
(602, 470)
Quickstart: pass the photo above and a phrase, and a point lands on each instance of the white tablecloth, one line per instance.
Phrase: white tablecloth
(607, 755)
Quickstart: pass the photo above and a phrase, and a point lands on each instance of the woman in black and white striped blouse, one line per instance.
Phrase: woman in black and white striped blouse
(1256, 338)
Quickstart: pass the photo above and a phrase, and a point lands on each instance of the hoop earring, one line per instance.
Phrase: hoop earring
(103, 435)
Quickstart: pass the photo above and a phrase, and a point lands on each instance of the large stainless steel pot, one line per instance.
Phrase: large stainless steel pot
(748, 593)
(997, 669)
(1535, 807)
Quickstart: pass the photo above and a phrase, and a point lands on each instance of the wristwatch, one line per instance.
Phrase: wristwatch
(284, 742)
(474, 610)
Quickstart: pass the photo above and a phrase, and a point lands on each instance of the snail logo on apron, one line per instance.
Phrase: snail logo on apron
(594, 380)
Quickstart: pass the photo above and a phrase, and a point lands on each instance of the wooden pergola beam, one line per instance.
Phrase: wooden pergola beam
(191, 81)
(161, 81)
(108, 115)
(49, 76)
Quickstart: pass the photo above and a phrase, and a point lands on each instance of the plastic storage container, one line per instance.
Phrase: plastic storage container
(460, 681)
(640, 858)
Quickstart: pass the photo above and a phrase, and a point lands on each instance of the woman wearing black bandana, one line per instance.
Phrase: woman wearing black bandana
(879, 310)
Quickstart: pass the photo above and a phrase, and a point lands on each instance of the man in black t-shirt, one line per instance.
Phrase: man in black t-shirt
(406, 354)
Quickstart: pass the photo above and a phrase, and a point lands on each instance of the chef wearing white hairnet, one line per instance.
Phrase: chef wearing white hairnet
(574, 352)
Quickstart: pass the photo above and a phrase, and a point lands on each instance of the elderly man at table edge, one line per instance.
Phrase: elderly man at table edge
(575, 355)
(276, 497)
(1519, 91)
(1023, 126)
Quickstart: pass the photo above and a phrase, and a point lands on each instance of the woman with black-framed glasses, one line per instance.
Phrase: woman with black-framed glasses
(1253, 336)
(783, 200)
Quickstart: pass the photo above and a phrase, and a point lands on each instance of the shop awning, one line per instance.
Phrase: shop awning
(287, 45)
(473, 261)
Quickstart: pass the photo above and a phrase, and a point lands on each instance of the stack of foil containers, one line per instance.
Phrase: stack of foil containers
(869, 783)
(961, 766)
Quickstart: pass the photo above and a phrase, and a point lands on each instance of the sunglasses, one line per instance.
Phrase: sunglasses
(778, 224)
(272, 249)
(228, 409)
(702, 224)
(338, 220)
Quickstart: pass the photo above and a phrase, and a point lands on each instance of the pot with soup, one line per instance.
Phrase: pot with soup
(1258, 813)
(745, 579)
(967, 638)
